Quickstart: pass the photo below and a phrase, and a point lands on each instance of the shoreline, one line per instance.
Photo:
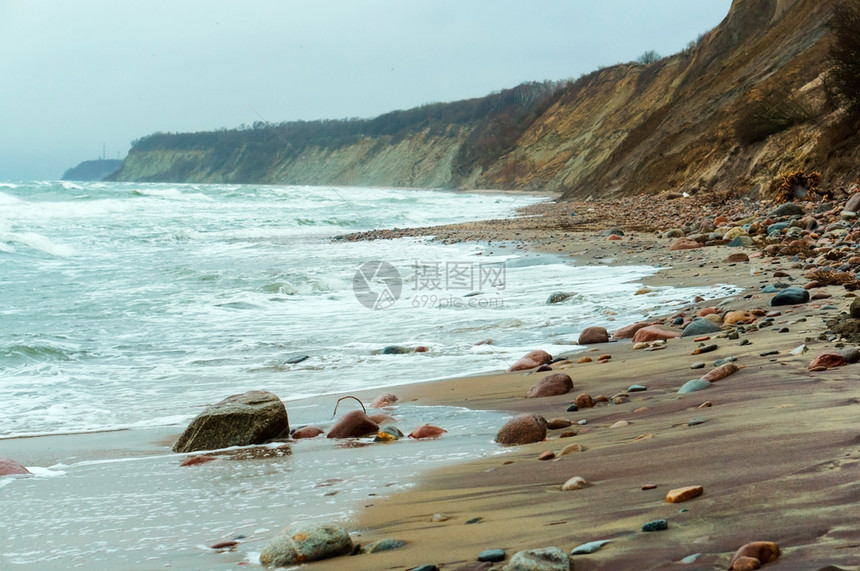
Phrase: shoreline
(745, 460)
(774, 445)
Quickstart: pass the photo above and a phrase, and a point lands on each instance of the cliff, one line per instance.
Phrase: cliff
(92, 170)
(747, 101)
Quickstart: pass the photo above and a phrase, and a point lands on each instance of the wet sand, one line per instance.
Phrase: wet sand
(775, 446)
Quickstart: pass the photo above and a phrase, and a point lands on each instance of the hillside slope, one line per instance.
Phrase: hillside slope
(749, 100)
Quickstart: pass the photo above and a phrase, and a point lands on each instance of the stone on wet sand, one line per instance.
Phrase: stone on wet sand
(593, 335)
(584, 401)
(790, 296)
(721, 372)
(551, 385)
(683, 494)
(575, 483)
(829, 360)
(699, 327)
(694, 385)
(307, 432)
(683, 244)
(590, 547)
(306, 543)
(558, 422)
(254, 417)
(544, 559)
(9, 467)
(656, 525)
(492, 555)
(383, 545)
(531, 360)
(654, 333)
(383, 400)
(427, 431)
(353, 424)
(754, 555)
(628, 331)
(522, 429)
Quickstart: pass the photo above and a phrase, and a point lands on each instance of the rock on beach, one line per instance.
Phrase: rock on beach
(254, 417)
(10, 467)
(522, 429)
(593, 335)
(531, 360)
(353, 424)
(551, 385)
(306, 543)
(543, 559)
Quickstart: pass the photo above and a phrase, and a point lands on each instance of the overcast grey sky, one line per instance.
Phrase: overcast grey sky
(79, 73)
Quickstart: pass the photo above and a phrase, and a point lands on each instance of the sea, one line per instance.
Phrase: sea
(126, 308)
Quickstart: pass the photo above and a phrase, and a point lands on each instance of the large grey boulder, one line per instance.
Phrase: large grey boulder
(249, 418)
(699, 327)
(304, 543)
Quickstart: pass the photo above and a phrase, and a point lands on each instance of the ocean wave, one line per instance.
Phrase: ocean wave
(34, 241)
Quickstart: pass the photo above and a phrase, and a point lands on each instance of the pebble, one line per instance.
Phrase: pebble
(720, 362)
(589, 547)
(438, 518)
(656, 525)
(492, 555)
(474, 520)
(544, 559)
(705, 349)
(620, 424)
(636, 388)
(698, 365)
(575, 483)
(570, 449)
(691, 558)
(694, 385)
(383, 545)
(548, 455)
(696, 421)
(430, 567)
(649, 486)
(679, 495)
(573, 408)
(768, 353)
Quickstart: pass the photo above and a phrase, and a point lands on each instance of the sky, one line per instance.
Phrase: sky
(79, 76)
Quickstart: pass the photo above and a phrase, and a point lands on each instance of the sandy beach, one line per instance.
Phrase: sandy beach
(774, 446)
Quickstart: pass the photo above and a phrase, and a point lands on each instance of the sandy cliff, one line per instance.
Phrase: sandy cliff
(685, 123)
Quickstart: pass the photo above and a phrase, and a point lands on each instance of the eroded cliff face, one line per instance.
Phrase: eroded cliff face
(631, 128)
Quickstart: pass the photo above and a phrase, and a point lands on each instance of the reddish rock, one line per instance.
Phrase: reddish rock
(593, 335)
(654, 333)
(584, 401)
(828, 361)
(603, 358)
(548, 455)
(522, 429)
(307, 432)
(427, 431)
(614, 237)
(556, 423)
(533, 359)
(543, 369)
(385, 399)
(679, 495)
(583, 360)
(754, 555)
(9, 467)
(707, 311)
(721, 372)
(684, 244)
(733, 317)
(551, 385)
(421, 349)
(628, 331)
(224, 545)
(736, 258)
(197, 460)
(353, 424)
